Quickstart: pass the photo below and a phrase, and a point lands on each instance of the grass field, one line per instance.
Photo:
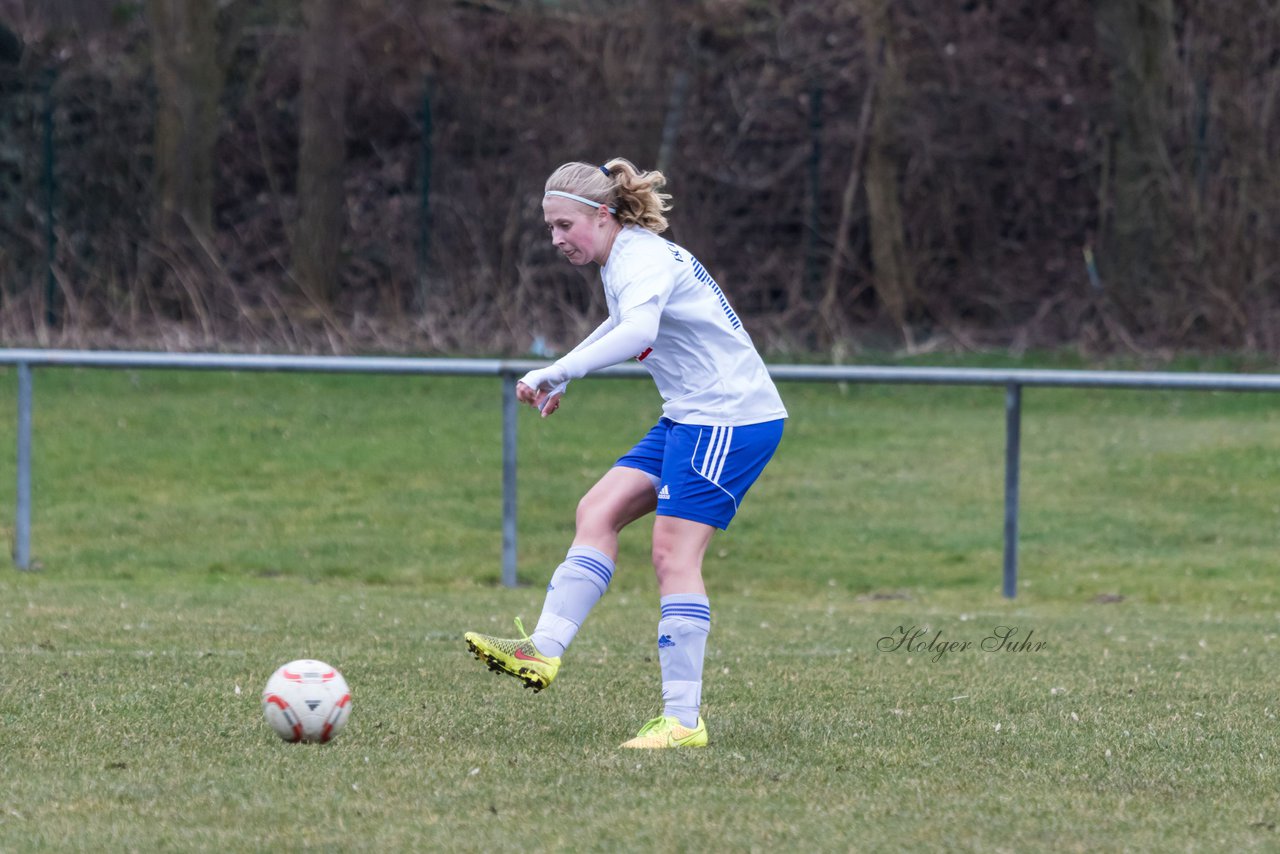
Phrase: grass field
(193, 531)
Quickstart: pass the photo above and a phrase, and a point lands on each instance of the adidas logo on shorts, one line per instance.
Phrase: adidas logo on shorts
(664, 492)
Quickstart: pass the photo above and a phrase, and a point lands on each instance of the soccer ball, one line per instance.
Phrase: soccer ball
(306, 700)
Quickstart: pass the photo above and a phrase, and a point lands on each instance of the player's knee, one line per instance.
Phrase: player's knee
(661, 558)
(677, 576)
(670, 561)
(594, 517)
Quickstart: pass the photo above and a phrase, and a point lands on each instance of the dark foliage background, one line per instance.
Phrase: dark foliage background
(1008, 127)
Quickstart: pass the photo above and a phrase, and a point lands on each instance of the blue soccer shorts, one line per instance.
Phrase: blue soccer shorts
(702, 473)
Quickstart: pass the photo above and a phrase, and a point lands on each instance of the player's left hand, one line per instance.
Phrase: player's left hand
(549, 402)
(543, 389)
(545, 401)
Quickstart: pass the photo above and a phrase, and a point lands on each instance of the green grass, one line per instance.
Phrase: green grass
(194, 531)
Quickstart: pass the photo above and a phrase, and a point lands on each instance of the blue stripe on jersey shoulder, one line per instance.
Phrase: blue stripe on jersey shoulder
(700, 273)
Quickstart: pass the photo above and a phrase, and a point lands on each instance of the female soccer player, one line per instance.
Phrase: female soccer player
(721, 422)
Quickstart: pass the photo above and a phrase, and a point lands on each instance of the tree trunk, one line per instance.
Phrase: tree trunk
(188, 86)
(1137, 37)
(830, 315)
(659, 33)
(10, 46)
(317, 244)
(892, 273)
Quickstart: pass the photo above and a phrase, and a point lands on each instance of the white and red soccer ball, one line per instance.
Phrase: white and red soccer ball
(307, 700)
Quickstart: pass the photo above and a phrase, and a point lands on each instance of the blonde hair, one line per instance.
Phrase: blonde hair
(620, 185)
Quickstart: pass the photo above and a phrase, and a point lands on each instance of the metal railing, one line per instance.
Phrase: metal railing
(1013, 381)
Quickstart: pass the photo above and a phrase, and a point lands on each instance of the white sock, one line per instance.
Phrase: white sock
(682, 645)
(576, 586)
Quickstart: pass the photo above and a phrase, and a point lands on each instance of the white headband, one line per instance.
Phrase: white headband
(582, 199)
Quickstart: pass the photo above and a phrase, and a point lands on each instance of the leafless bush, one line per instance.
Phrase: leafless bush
(1002, 142)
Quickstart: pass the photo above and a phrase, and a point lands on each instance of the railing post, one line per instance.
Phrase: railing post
(1012, 455)
(509, 479)
(22, 524)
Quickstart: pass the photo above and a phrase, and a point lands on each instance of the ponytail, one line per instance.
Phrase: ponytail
(637, 195)
(634, 195)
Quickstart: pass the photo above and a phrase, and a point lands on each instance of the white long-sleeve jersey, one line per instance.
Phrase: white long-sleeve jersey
(666, 310)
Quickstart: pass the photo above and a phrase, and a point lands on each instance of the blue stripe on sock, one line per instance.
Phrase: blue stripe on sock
(686, 606)
(695, 611)
(593, 566)
(602, 576)
(587, 560)
(601, 566)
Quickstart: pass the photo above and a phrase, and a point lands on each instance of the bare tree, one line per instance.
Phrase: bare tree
(10, 45)
(1137, 38)
(188, 85)
(317, 242)
(893, 277)
(976, 160)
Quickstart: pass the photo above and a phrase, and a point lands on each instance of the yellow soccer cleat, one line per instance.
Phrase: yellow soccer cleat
(668, 732)
(516, 656)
